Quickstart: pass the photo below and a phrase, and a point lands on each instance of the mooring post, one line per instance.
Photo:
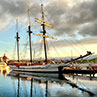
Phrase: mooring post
(18, 67)
(93, 73)
(60, 72)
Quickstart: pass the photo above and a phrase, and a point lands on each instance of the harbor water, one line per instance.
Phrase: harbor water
(28, 86)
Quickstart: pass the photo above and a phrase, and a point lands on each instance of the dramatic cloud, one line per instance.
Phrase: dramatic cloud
(89, 29)
(68, 16)
(75, 19)
(52, 44)
(18, 8)
(69, 19)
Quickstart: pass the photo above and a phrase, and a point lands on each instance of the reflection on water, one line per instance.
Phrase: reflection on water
(16, 85)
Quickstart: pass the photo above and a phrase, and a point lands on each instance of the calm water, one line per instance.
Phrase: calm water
(15, 86)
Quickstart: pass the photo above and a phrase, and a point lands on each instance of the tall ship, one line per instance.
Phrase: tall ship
(43, 68)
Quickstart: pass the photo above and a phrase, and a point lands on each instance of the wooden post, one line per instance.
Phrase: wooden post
(93, 73)
(60, 72)
(46, 89)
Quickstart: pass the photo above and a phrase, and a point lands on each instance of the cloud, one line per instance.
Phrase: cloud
(18, 8)
(71, 43)
(88, 41)
(69, 19)
(89, 29)
(67, 15)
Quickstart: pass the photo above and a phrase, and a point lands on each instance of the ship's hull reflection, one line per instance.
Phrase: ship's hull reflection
(33, 86)
(40, 87)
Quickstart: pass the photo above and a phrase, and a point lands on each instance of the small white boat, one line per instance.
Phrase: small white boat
(4, 68)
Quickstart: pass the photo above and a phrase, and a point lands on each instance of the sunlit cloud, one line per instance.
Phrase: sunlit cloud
(68, 17)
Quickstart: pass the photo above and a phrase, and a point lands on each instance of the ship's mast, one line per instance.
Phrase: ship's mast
(29, 31)
(44, 23)
(17, 38)
(44, 32)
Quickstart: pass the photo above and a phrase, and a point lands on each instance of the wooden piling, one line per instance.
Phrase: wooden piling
(60, 72)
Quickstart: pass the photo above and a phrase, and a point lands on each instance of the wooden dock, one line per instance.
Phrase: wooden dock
(80, 71)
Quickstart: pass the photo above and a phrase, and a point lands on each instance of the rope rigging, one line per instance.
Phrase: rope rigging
(48, 19)
(48, 49)
(77, 42)
(55, 47)
(72, 45)
(25, 48)
(81, 45)
(40, 49)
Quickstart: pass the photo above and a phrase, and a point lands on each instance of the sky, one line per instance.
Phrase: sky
(75, 27)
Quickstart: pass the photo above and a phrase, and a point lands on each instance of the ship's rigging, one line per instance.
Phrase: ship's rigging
(43, 23)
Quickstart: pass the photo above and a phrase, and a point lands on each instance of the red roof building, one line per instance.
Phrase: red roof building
(5, 58)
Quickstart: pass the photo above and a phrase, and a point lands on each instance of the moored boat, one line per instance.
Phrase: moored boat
(39, 68)
(3, 67)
